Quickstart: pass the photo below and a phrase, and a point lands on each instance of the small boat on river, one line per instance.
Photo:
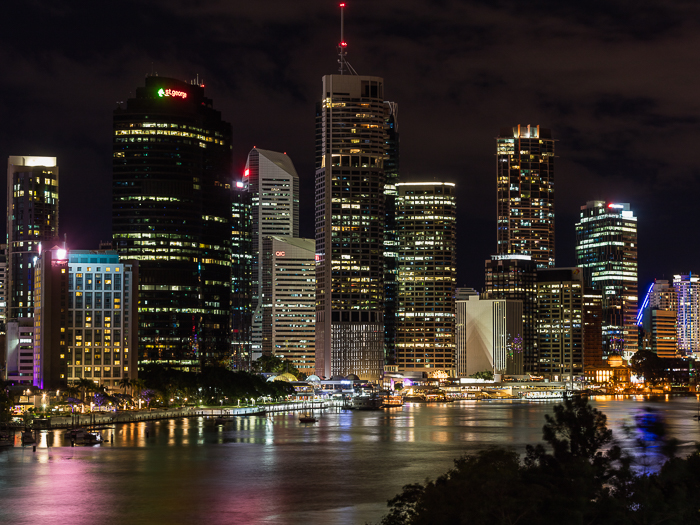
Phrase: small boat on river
(307, 418)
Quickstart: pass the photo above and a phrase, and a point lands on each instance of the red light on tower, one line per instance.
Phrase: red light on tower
(344, 44)
(246, 173)
(342, 5)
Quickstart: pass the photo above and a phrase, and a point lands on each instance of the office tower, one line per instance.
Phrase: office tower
(289, 300)
(515, 277)
(241, 278)
(592, 328)
(525, 170)
(606, 249)
(351, 145)
(85, 318)
(273, 184)
(32, 219)
(426, 228)
(171, 211)
(688, 318)
(489, 336)
(391, 286)
(560, 323)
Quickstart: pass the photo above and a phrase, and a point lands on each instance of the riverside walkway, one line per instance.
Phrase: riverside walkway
(101, 419)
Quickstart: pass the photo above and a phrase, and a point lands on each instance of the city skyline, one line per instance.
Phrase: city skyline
(608, 127)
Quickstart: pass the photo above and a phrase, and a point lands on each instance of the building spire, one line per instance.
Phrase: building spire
(343, 46)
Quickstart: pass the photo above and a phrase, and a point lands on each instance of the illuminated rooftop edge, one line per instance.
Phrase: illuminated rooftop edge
(426, 184)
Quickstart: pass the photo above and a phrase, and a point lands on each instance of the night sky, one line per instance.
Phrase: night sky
(616, 81)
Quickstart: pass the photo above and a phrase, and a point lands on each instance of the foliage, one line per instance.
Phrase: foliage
(210, 386)
(486, 375)
(648, 364)
(581, 477)
(273, 364)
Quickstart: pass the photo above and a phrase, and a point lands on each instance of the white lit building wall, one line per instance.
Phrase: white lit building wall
(289, 300)
(20, 351)
(489, 336)
(272, 181)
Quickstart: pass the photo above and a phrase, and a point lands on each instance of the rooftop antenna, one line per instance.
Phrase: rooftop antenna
(343, 46)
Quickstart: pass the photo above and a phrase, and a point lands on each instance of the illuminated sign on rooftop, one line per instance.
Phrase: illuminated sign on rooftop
(171, 93)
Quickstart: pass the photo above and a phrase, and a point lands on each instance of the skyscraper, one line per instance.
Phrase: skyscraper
(688, 320)
(426, 229)
(515, 277)
(241, 278)
(391, 286)
(289, 294)
(273, 184)
(525, 181)
(32, 219)
(171, 211)
(351, 144)
(606, 248)
(560, 323)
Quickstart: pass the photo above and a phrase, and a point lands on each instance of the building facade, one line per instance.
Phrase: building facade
(288, 302)
(489, 336)
(688, 313)
(514, 277)
(241, 278)
(391, 285)
(32, 219)
(525, 182)
(560, 323)
(426, 225)
(273, 184)
(20, 362)
(85, 321)
(351, 146)
(606, 249)
(592, 329)
(171, 211)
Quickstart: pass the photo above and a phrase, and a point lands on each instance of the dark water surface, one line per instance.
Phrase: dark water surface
(340, 470)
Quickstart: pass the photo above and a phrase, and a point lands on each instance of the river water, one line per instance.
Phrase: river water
(255, 469)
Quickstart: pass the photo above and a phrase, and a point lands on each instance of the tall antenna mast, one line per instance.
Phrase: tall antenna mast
(343, 46)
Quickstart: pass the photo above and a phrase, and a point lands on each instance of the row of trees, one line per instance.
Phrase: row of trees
(211, 386)
(582, 477)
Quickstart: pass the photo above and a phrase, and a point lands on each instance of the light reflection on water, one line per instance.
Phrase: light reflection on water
(273, 469)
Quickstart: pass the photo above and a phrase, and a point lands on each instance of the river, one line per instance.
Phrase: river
(274, 470)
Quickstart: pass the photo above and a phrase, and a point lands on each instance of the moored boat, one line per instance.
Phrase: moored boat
(392, 401)
(307, 418)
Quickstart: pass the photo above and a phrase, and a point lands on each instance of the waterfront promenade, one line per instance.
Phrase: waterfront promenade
(101, 419)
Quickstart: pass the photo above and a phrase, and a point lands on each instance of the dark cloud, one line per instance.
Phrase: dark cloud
(615, 80)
